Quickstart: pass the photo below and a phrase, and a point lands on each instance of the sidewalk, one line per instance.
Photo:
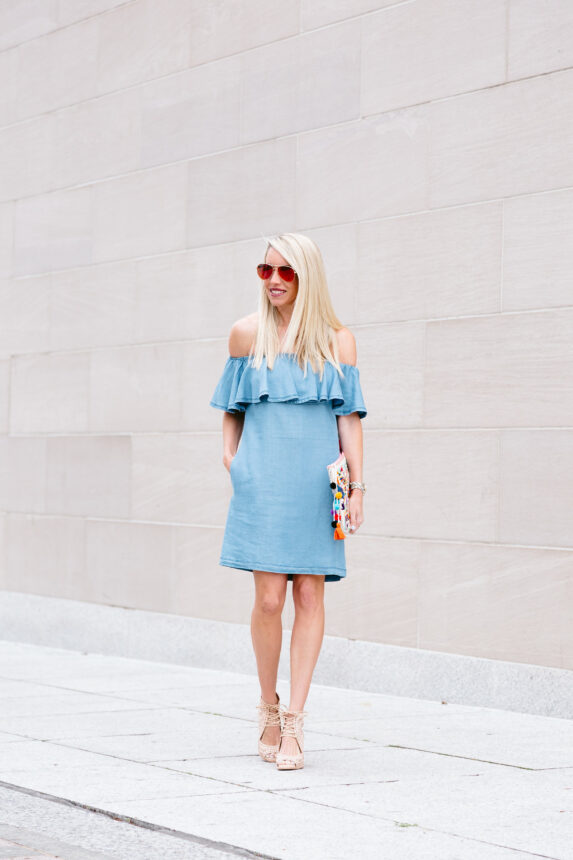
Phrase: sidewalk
(173, 749)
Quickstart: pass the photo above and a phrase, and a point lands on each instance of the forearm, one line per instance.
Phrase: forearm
(232, 430)
(351, 441)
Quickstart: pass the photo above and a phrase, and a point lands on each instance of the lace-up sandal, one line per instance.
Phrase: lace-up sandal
(292, 728)
(269, 715)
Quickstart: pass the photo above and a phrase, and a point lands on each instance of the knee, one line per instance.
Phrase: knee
(270, 603)
(307, 597)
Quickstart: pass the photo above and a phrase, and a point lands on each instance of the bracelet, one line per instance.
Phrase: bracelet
(358, 486)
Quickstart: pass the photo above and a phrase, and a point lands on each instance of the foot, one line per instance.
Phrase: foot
(272, 734)
(289, 746)
(290, 755)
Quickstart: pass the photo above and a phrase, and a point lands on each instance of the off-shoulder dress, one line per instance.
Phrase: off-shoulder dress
(279, 517)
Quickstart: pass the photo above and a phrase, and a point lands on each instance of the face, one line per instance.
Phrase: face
(280, 292)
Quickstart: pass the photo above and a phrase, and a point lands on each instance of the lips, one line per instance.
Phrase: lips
(277, 292)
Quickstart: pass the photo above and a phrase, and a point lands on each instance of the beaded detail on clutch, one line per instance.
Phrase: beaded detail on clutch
(340, 486)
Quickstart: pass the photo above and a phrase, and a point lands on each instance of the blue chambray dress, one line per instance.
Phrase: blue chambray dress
(279, 516)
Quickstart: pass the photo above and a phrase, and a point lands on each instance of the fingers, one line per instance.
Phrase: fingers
(356, 518)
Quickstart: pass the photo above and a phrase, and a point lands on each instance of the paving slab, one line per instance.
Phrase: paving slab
(171, 750)
(293, 828)
(86, 777)
(63, 702)
(10, 739)
(333, 767)
(50, 828)
(236, 701)
(131, 721)
(504, 737)
(208, 735)
(519, 809)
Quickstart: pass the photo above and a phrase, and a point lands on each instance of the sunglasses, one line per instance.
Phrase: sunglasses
(287, 273)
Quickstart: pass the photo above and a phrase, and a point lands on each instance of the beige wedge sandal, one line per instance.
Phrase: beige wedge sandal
(292, 727)
(269, 715)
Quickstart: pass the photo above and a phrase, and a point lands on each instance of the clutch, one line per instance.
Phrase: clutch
(340, 485)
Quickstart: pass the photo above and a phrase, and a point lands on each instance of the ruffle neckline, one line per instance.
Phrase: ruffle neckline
(241, 384)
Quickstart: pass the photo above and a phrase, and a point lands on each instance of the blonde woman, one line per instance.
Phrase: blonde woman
(291, 396)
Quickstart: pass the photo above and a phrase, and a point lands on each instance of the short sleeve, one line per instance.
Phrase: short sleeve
(224, 396)
(352, 393)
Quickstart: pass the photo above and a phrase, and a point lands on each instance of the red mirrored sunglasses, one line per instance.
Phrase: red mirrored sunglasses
(287, 273)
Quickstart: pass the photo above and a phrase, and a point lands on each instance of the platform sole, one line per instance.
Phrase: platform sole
(290, 765)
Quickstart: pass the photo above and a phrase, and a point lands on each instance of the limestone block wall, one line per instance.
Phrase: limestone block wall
(145, 148)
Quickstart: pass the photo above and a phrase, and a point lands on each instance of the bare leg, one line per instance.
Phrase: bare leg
(306, 641)
(266, 633)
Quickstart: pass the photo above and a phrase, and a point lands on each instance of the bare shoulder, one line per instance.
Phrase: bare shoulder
(242, 335)
(346, 346)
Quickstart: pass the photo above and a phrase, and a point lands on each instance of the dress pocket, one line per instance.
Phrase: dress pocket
(231, 464)
(233, 461)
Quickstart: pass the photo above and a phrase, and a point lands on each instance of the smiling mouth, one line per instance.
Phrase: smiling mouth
(276, 292)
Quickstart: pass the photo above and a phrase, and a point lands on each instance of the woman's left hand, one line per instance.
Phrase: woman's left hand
(355, 509)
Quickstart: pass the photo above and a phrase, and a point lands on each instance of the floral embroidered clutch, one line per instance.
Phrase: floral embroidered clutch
(340, 486)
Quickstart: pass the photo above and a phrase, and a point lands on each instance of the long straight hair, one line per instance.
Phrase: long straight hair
(310, 335)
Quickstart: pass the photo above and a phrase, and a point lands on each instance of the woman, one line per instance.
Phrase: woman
(284, 422)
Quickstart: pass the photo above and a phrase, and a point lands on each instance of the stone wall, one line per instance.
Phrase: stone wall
(145, 149)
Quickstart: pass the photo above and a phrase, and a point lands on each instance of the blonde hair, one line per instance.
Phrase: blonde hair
(310, 335)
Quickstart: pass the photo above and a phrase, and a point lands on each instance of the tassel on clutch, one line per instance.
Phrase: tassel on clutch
(340, 486)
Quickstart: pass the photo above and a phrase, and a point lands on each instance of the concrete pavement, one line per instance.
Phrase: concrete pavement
(167, 753)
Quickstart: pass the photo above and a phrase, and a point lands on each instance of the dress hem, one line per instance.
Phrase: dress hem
(330, 574)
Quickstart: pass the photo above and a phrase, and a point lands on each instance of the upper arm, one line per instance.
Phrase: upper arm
(346, 346)
(242, 335)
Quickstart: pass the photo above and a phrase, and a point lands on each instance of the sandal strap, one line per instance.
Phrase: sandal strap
(270, 712)
(292, 722)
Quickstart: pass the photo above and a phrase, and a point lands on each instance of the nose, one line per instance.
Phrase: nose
(276, 280)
